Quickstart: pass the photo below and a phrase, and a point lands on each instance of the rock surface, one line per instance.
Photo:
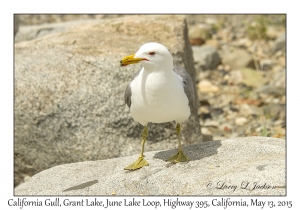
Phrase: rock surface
(27, 33)
(227, 167)
(280, 43)
(237, 59)
(206, 57)
(16, 24)
(69, 91)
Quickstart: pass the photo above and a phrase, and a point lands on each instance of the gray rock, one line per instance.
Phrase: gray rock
(243, 42)
(266, 64)
(279, 78)
(275, 111)
(69, 93)
(277, 83)
(236, 77)
(227, 167)
(237, 59)
(37, 31)
(206, 57)
(248, 110)
(241, 120)
(271, 90)
(280, 43)
(272, 32)
(248, 76)
(16, 24)
(38, 19)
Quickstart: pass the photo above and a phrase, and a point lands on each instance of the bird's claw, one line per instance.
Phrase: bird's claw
(178, 157)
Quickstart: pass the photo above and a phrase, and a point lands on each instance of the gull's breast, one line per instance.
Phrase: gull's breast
(158, 98)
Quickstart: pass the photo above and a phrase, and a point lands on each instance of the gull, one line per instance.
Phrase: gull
(158, 93)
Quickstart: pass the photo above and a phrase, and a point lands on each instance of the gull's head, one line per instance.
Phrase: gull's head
(152, 56)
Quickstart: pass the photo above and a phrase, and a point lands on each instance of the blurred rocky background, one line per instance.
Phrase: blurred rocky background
(240, 63)
(241, 66)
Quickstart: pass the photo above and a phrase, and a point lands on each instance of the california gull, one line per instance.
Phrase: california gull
(158, 93)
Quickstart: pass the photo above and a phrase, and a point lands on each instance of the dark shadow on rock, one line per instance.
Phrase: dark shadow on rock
(261, 167)
(194, 152)
(82, 186)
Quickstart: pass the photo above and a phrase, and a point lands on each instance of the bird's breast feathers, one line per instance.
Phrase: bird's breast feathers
(158, 97)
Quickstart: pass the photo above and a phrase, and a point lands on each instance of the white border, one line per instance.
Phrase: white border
(152, 6)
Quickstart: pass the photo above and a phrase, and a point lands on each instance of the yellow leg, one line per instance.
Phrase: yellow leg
(179, 156)
(140, 162)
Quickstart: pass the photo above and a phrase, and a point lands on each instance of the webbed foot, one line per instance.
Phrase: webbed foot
(178, 157)
(139, 163)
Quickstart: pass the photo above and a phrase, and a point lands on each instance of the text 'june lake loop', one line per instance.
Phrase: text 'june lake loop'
(136, 202)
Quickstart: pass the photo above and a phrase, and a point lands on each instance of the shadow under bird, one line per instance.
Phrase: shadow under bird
(158, 93)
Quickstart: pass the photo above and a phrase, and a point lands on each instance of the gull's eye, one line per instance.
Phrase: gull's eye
(151, 53)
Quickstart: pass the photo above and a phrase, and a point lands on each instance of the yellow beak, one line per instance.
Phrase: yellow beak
(130, 60)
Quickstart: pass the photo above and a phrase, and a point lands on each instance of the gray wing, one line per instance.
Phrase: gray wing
(187, 84)
(127, 95)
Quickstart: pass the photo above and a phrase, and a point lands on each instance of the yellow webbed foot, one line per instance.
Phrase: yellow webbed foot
(179, 157)
(139, 163)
